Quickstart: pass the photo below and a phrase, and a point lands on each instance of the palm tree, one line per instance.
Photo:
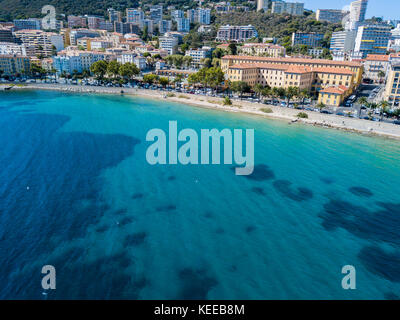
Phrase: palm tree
(381, 75)
(384, 105)
(267, 92)
(303, 95)
(290, 93)
(320, 106)
(372, 106)
(363, 102)
(258, 89)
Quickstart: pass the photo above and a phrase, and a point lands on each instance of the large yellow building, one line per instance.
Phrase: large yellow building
(392, 90)
(13, 65)
(314, 75)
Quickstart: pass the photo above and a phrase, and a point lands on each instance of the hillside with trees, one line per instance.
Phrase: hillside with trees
(279, 26)
(12, 9)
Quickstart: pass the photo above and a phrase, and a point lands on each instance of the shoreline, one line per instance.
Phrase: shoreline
(365, 127)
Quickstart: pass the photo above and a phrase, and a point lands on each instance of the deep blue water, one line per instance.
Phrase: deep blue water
(76, 192)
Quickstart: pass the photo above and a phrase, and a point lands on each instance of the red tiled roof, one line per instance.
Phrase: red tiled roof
(377, 57)
(334, 90)
(259, 65)
(298, 69)
(333, 70)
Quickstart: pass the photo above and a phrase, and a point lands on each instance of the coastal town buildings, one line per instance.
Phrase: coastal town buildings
(372, 39)
(168, 43)
(27, 24)
(134, 16)
(357, 14)
(315, 75)
(183, 24)
(77, 22)
(114, 15)
(331, 15)
(14, 64)
(263, 49)
(392, 90)
(236, 33)
(293, 8)
(376, 65)
(69, 61)
(38, 42)
(10, 48)
(311, 39)
(263, 5)
(198, 54)
(6, 35)
(343, 41)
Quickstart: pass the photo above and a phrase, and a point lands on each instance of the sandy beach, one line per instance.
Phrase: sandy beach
(314, 118)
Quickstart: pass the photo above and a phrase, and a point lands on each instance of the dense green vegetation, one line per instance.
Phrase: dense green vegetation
(11, 9)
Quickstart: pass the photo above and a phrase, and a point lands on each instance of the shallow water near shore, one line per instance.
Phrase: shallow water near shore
(76, 192)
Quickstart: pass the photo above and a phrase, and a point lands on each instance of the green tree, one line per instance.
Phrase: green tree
(240, 87)
(320, 106)
(381, 75)
(187, 61)
(128, 70)
(214, 77)
(113, 68)
(384, 108)
(290, 93)
(150, 78)
(163, 81)
(303, 95)
(206, 62)
(99, 68)
(232, 49)
(258, 89)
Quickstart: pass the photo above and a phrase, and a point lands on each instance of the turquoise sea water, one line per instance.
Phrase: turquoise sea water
(76, 192)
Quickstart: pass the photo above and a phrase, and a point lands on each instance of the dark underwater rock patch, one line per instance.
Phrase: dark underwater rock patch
(135, 239)
(261, 172)
(121, 211)
(391, 296)
(361, 192)
(284, 187)
(137, 196)
(381, 263)
(196, 283)
(250, 229)
(327, 180)
(209, 215)
(126, 220)
(170, 207)
(102, 229)
(378, 225)
(258, 190)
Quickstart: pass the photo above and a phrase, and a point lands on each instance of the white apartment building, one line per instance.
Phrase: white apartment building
(132, 57)
(168, 43)
(358, 10)
(293, 8)
(199, 54)
(134, 16)
(39, 42)
(204, 16)
(9, 48)
(183, 24)
(262, 5)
